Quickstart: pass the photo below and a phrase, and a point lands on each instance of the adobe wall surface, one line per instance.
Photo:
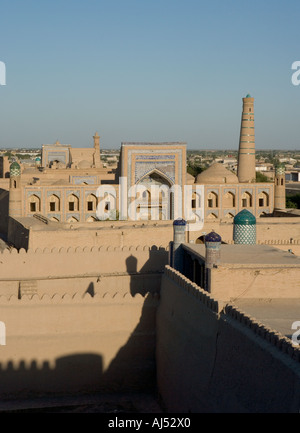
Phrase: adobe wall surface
(79, 269)
(123, 233)
(3, 211)
(267, 229)
(109, 233)
(255, 282)
(73, 344)
(211, 357)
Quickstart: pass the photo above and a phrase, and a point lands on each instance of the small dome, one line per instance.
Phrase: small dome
(190, 180)
(248, 96)
(15, 169)
(213, 237)
(84, 164)
(216, 174)
(280, 169)
(244, 218)
(179, 222)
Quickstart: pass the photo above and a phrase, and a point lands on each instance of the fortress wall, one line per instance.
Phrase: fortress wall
(77, 343)
(3, 211)
(113, 233)
(122, 233)
(288, 245)
(267, 229)
(254, 282)
(81, 269)
(211, 357)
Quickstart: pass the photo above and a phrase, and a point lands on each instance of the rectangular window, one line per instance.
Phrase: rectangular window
(244, 202)
(90, 205)
(210, 202)
(261, 202)
(71, 206)
(52, 207)
(32, 207)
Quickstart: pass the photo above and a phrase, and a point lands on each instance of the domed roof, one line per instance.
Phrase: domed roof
(244, 217)
(213, 237)
(190, 179)
(15, 164)
(280, 169)
(179, 222)
(216, 174)
(84, 164)
(15, 169)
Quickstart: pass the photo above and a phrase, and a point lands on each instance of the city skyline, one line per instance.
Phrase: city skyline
(156, 71)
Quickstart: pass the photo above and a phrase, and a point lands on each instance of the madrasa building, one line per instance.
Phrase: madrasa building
(150, 184)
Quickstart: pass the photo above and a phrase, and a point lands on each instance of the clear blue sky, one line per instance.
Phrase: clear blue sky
(148, 70)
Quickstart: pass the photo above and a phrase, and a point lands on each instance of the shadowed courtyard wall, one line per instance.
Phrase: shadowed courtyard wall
(75, 344)
(77, 270)
(211, 357)
(79, 320)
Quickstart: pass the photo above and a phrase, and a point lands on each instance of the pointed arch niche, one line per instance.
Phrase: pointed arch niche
(156, 200)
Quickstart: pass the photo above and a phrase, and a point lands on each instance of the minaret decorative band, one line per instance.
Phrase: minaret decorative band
(246, 158)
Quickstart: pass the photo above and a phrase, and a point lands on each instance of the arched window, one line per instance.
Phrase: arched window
(212, 199)
(73, 203)
(91, 203)
(90, 219)
(229, 200)
(246, 199)
(263, 199)
(72, 220)
(34, 203)
(212, 216)
(54, 203)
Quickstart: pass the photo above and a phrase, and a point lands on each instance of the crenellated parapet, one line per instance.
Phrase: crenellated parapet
(270, 242)
(79, 249)
(193, 289)
(279, 341)
(77, 298)
(272, 336)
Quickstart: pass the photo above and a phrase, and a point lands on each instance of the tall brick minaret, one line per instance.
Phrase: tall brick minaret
(246, 158)
(97, 157)
(279, 190)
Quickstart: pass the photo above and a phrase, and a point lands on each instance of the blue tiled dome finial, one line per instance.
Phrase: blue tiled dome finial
(213, 237)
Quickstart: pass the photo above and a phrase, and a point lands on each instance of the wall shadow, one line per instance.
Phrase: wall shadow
(139, 350)
(71, 374)
(133, 370)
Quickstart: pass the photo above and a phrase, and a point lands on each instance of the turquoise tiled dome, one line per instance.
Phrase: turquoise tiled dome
(15, 169)
(244, 217)
(280, 169)
(244, 228)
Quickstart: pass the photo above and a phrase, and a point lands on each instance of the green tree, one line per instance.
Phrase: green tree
(293, 201)
(194, 170)
(260, 177)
